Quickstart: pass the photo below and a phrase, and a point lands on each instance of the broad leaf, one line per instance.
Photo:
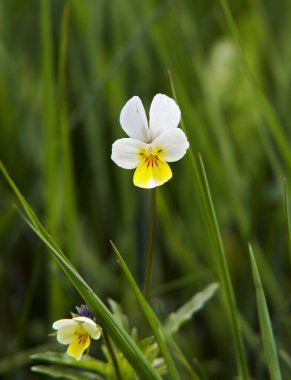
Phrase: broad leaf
(184, 313)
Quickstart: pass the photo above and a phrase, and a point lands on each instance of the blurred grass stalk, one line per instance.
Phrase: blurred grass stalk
(265, 107)
(60, 203)
(51, 169)
(69, 196)
(150, 243)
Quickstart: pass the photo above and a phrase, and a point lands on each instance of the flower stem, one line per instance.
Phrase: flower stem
(112, 354)
(150, 247)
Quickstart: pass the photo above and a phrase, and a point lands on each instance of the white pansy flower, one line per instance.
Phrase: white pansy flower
(150, 146)
(76, 332)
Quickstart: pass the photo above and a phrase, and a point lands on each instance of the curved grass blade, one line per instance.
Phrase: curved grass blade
(209, 215)
(120, 337)
(225, 280)
(150, 317)
(287, 217)
(269, 344)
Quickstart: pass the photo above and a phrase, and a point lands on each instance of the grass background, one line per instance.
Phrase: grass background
(59, 115)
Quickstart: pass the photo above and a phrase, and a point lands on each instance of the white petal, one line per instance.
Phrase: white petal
(164, 114)
(93, 331)
(174, 144)
(85, 320)
(125, 152)
(134, 121)
(63, 322)
(66, 334)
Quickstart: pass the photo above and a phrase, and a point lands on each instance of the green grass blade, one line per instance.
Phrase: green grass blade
(269, 344)
(225, 281)
(209, 215)
(183, 360)
(120, 337)
(150, 317)
(287, 218)
(50, 143)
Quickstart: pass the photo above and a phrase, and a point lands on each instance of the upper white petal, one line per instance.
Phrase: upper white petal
(164, 114)
(134, 121)
(125, 152)
(174, 143)
(85, 320)
(63, 322)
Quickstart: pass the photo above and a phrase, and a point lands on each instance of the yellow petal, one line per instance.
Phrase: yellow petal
(78, 346)
(151, 172)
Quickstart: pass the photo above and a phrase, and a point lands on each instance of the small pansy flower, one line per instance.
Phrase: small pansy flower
(150, 145)
(77, 332)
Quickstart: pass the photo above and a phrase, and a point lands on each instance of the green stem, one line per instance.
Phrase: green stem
(112, 354)
(150, 247)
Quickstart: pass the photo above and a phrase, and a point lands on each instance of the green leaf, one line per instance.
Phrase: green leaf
(65, 373)
(120, 337)
(269, 344)
(184, 313)
(87, 362)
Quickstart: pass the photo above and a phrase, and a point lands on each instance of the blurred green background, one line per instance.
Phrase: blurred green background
(59, 115)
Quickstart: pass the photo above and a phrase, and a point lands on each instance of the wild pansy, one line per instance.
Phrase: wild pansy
(150, 145)
(78, 331)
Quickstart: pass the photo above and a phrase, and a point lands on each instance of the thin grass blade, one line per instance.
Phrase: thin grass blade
(269, 344)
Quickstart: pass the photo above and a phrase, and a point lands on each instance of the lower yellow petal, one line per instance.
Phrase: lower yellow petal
(78, 346)
(151, 172)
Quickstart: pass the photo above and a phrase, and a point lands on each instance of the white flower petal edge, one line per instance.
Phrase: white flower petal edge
(164, 114)
(125, 152)
(174, 143)
(134, 121)
(85, 320)
(63, 322)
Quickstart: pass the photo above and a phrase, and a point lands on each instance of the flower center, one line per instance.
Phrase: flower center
(82, 338)
(151, 156)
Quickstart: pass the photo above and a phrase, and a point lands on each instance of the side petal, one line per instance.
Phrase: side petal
(93, 331)
(134, 121)
(151, 174)
(66, 334)
(164, 114)
(173, 143)
(125, 152)
(78, 346)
